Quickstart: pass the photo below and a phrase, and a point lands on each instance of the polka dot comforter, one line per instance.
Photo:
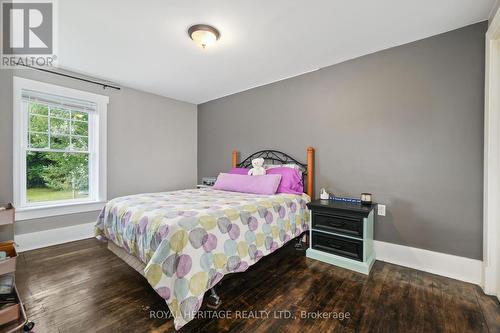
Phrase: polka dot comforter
(190, 239)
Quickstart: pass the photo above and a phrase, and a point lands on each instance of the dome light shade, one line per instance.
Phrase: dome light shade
(203, 34)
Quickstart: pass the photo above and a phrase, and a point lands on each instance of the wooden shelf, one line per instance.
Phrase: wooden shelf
(12, 318)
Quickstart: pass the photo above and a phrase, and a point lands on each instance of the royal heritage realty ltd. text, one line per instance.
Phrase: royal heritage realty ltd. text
(257, 314)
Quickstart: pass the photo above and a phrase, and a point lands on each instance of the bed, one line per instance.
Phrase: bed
(184, 242)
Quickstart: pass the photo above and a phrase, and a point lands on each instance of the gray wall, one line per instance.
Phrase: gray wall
(151, 144)
(405, 124)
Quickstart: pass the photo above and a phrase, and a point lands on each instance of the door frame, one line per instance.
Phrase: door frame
(491, 203)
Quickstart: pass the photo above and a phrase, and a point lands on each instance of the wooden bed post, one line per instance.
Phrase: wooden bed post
(310, 172)
(234, 161)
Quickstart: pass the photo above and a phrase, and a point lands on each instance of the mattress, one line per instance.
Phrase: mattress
(189, 239)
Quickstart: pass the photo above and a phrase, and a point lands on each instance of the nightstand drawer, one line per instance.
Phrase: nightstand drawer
(345, 247)
(342, 224)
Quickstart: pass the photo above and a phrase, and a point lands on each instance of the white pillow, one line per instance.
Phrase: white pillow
(290, 165)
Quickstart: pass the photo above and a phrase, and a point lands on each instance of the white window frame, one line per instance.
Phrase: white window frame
(97, 153)
(491, 196)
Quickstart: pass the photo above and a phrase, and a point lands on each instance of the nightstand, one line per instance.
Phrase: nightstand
(342, 234)
(207, 182)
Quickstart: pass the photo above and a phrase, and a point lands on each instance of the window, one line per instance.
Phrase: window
(59, 149)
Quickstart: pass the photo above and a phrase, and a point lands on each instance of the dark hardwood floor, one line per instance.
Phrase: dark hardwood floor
(83, 287)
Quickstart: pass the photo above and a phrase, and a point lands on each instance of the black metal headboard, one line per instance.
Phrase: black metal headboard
(274, 157)
(277, 157)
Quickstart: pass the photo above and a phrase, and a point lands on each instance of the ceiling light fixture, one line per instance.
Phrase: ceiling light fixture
(203, 34)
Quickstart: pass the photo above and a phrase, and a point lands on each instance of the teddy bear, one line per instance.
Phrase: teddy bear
(258, 169)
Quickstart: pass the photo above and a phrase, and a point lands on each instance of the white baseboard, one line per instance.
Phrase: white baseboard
(36, 240)
(460, 268)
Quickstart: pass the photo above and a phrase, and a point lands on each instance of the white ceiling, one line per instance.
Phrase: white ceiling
(144, 44)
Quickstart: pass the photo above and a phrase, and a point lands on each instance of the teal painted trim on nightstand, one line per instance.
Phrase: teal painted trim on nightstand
(338, 234)
(358, 266)
(368, 236)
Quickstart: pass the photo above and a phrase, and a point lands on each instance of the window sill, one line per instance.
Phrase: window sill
(29, 213)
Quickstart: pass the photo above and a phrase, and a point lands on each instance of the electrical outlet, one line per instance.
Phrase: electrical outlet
(381, 210)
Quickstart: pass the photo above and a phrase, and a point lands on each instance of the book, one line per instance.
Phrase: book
(343, 199)
(6, 284)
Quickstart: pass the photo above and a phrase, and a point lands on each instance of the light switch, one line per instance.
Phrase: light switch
(381, 210)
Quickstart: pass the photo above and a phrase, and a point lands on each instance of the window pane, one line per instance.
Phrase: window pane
(59, 126)
(82, 116)
(59, 142)
(39, 123)
(39, 140)
(56, 176)
(60, 113)
(80, 128)
(38, 109)
(79, 143)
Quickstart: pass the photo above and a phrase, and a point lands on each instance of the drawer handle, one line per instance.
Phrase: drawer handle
(335, 246)
(340, 217)
(331, 225)
(344, 252)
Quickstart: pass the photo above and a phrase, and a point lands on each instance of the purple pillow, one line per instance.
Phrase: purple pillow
(239, 171)
(267, 184)
(291, 180)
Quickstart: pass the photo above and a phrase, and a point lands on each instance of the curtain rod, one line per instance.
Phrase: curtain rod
(104, 85)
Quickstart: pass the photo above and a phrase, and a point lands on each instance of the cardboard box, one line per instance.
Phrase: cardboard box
(7, 214)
